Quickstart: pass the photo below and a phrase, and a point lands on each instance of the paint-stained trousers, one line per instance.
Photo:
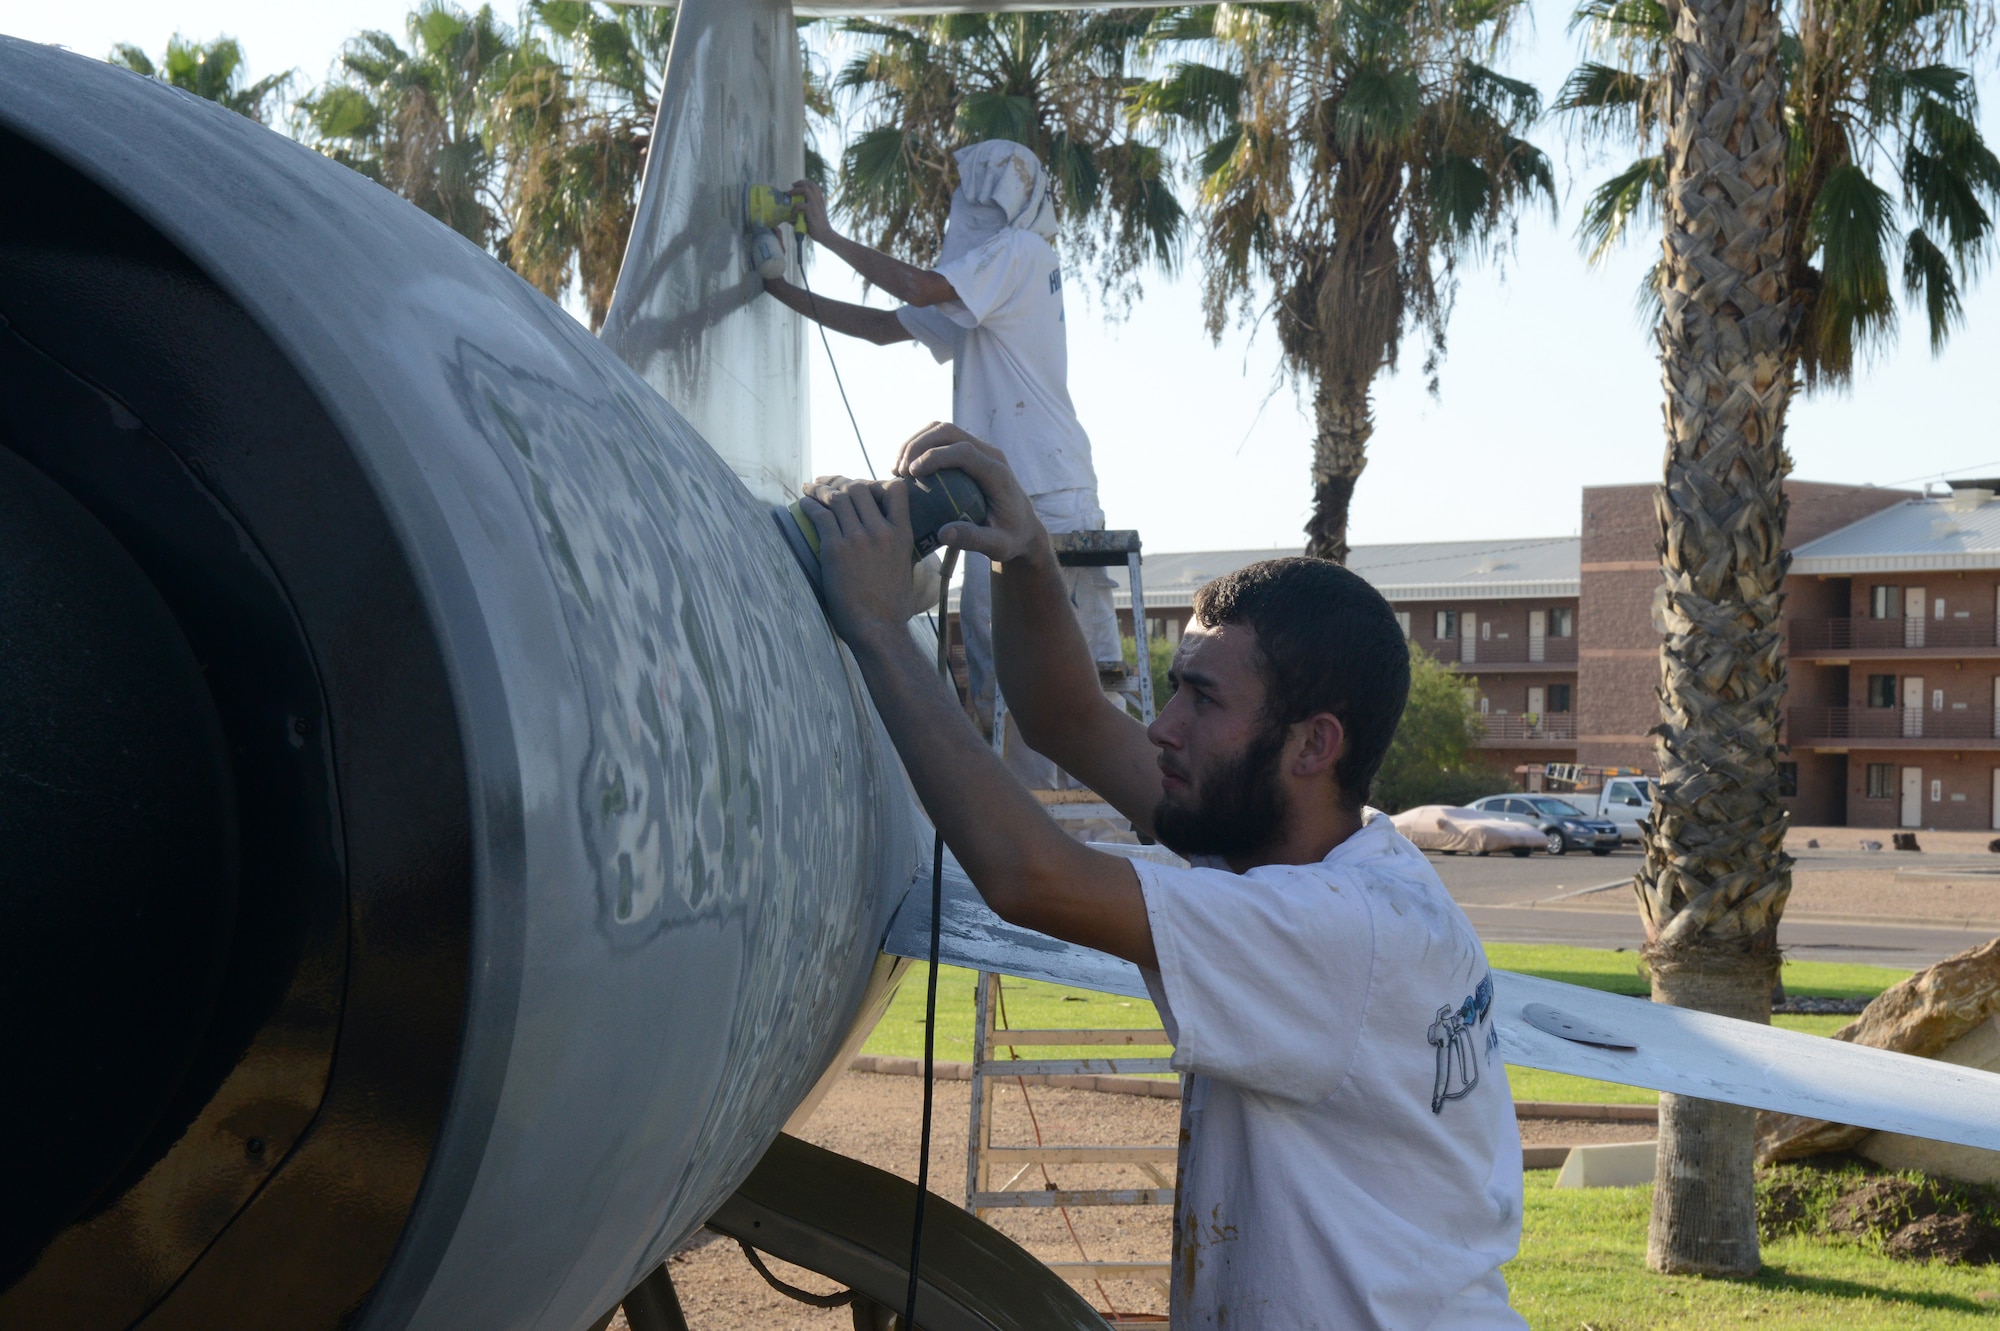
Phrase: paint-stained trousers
(1090, 592)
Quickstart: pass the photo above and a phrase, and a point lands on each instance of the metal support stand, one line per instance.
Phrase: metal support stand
(654, 1306)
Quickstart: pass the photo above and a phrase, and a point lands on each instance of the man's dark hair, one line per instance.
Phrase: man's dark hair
(1326, 642)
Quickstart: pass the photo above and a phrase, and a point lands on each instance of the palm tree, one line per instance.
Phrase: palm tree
(1056, 83)
(1774, 269)
(1349, 156)
(212, 69)
(415, 119)
(1883, 153)
(573, 119)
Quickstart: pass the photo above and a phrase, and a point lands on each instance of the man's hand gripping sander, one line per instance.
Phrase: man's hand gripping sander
(946, 496)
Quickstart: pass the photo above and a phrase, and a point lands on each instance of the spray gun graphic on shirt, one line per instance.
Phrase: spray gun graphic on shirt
(1455, 1036)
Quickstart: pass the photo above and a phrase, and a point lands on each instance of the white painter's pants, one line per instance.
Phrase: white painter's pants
(1090, 592)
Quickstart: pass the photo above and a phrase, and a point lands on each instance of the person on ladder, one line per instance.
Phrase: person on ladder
(993, 306)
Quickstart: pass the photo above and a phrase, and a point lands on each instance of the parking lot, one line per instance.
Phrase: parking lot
(1848, 904)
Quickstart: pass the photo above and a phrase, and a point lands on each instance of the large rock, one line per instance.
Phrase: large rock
(1979, 1048)
(1947, 1011)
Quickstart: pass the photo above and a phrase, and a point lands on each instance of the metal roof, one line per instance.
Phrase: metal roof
(1922, 534)
(1417, 571)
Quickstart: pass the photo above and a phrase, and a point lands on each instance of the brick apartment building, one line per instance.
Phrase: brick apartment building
(1503, 612)
(1892, 621)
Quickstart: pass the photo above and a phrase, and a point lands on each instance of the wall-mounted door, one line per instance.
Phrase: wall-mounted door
(1536, 697)
(1468, 637)
(1913, 616)
(1996, 799)
(1913, 701)
(1538, 632)
(1913, 797)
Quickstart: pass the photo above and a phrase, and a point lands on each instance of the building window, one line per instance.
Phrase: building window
(1885, 602)
(1562, 622)
(1881, 781)
(1788, 780)
(1558, 697)
(1447, 624)
(1881, 690)
(1403, 622)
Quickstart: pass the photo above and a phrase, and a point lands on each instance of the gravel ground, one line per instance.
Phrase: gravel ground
(876, 1119)
(1581, 1132)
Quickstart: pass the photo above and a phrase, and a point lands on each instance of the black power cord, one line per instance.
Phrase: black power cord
(943, 626)
(931, 983)
(806, 282)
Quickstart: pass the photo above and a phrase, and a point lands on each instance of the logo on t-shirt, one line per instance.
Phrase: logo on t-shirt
(1456, 1036)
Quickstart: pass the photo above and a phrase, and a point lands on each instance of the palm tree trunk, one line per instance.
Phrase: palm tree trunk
(1716, 875)
(1340, 450)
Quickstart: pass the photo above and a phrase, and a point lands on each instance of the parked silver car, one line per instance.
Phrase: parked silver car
(1565, 826)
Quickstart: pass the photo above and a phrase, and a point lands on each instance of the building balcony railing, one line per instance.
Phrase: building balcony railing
(1505, 651)
(1818, 725)
(1529, 728)
(1848, 635)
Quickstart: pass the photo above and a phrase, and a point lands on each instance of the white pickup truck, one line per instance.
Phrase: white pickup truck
(1627, 801)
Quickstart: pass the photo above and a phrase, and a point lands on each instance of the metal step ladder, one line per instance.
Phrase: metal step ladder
(993, 1047)
(985, 1162)
(1103, 549)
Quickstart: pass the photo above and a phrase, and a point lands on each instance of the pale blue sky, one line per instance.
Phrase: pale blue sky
(1549, 384)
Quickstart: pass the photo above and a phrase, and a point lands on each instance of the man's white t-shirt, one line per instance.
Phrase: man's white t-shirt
(1349, 1154)
(1007, 335)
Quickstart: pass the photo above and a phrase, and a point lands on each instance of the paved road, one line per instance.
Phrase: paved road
(1906, 946)
(1546, 899)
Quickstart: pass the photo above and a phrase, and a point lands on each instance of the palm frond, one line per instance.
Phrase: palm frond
(1602, 91)
(1608, 212)
(1215, 155)
(1461, 196)
(1850, 309)
(1192, 97)
(997, 115)
(1927, 276)
(1622, 19)
(1379, 108)
(1512, 102)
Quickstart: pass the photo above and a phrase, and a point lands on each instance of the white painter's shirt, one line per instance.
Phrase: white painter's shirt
(1007, 335)
(1349, 1154)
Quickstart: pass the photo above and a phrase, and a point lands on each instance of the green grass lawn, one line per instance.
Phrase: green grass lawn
(1583, 1266)
(1032, 1004)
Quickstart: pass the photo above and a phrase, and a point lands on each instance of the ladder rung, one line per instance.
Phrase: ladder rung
(1146, 1036)
(1070, 1067)
(1111, 1270)
(1082, 1155)
(982, 1201)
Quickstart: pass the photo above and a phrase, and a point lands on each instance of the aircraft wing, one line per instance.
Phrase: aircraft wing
(1559, 1028)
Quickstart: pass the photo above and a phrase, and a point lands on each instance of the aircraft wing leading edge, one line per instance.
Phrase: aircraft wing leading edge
(1658, 1047)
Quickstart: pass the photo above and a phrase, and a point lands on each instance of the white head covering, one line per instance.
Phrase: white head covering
(1000, 185)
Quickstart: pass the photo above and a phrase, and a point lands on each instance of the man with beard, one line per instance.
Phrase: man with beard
(1349, 1153)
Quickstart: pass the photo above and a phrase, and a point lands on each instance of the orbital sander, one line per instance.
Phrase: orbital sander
(945, 496)
(768, 207)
